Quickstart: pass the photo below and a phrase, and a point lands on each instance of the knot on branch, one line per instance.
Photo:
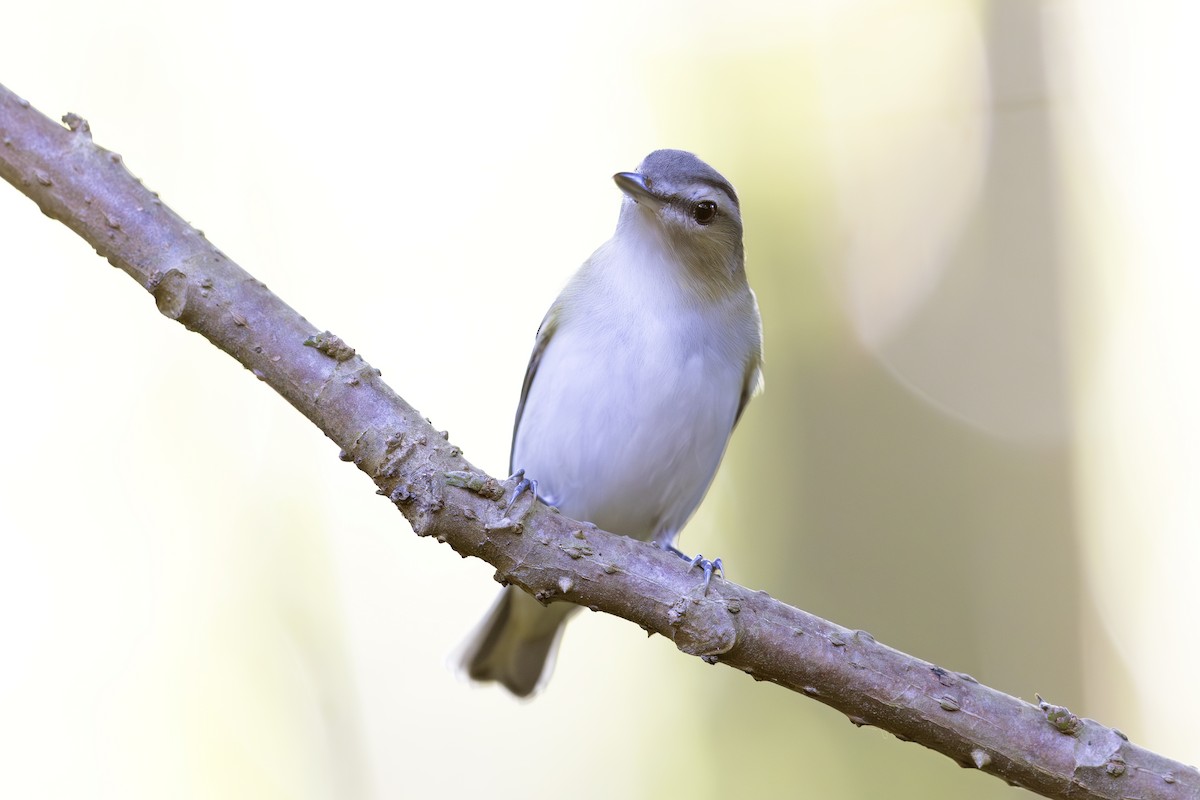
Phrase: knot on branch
(704, 626)
(1060, 717)
(78, 124)
(170, 293)
(330, 345)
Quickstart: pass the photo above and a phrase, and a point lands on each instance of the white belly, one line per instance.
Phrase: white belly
(627, 429)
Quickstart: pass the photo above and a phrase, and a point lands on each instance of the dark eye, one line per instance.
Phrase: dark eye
(704, 212)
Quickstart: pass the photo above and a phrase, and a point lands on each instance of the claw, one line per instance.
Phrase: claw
(700, 561)
(709, 568)
(523, 484)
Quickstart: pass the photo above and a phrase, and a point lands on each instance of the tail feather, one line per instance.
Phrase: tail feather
(516, 643)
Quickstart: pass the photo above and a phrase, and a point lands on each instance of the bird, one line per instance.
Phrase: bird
(640, 371)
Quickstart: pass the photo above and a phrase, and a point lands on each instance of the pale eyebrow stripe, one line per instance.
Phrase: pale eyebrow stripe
(724, 187)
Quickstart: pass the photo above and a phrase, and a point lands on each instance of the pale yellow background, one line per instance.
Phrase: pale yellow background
(972, 231)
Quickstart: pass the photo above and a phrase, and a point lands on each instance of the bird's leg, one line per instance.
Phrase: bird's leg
(670, 548)
(709, 567)
(523, 485)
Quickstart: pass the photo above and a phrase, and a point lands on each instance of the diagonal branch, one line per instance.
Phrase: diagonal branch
(1043, 748)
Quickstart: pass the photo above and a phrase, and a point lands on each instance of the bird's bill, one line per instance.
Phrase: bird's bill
(634, 185)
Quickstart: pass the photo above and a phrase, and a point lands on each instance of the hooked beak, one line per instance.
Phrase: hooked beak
(634, 185)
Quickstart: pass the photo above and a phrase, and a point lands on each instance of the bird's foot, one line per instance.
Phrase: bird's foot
(523, 485)
(709, 567)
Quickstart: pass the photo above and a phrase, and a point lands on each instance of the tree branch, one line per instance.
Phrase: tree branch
(1043, 748)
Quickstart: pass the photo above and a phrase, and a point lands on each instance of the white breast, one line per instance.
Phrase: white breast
(629, 413)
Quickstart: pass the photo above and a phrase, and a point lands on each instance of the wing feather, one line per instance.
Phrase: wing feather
(544, 334)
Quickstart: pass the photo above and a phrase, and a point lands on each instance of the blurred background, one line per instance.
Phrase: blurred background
(969, 226)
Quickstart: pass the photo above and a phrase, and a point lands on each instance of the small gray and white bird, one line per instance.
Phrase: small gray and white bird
(641, 370)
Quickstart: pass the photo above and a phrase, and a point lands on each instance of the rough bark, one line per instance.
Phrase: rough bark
(1042, 747)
